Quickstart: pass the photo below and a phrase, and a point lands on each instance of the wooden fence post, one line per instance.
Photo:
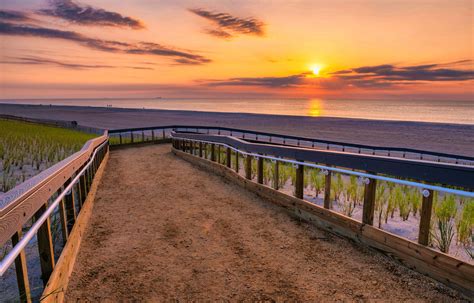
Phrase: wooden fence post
(218, 154)
(260, 170)
(82, 185)
(276, 175)
(425, 218)
(63, 219)
(164, 134)
(369, 202)
(327, 191)
(131, 137)
(236, 162)
(200, 149)
(70, 209)
(120, 137)
(299, 183)
(45, 246)
(152, 135)
(213, 152)
(143, 136)
(228, 155)
(248, 167)
(21, 271)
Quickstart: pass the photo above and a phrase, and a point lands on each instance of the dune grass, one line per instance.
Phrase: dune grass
(28, 148)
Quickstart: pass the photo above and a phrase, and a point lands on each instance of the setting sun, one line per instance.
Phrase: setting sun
(316, 69)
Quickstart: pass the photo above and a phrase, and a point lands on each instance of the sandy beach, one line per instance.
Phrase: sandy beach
(439, 137)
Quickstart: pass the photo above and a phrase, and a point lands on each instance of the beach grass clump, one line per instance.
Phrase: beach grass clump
(381, 195)
(465, 227)
(443, 232)
(28, 148)
(316, 181)
(284, 173)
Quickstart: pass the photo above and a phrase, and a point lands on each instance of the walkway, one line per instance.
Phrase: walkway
(162, 229)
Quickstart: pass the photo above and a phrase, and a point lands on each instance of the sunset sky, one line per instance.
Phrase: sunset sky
(327, 49)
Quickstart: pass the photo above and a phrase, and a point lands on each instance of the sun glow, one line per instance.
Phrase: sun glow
(316, 69)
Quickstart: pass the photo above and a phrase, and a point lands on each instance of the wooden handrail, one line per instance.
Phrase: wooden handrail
(196, 128)
(19, 204)
(426, 171)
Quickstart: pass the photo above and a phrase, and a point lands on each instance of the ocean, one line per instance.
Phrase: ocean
(459, 112)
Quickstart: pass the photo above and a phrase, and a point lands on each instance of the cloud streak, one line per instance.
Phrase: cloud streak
(377, 76)
(89, 15)
(144, 48)
(47, 61)
(388, 75)
(272, 82)
(228, 26)
(14, 16)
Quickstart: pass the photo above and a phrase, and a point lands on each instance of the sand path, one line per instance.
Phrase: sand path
(162, 229)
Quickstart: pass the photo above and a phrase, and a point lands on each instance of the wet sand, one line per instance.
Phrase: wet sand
(439, 137)
(151, 239)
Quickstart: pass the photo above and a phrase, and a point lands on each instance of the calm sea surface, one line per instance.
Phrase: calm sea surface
(461, 112)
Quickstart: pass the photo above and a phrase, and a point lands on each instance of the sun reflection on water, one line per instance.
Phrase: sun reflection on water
(315, 108)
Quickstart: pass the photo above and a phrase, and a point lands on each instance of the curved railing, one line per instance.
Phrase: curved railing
(65, 184)
(135, 135)
(241, 157)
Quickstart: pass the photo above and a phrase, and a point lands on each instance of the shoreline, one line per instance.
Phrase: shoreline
(430, 136)
(222, 112)
(213, 112)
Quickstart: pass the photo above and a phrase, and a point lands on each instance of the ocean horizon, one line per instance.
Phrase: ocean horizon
(457, 112)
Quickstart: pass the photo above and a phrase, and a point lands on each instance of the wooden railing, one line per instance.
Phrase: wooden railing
(456, 180)
(146, 134)
(64, 185)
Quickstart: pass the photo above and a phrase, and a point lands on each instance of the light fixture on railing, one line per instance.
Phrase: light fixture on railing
(363, 180)
(425, 193)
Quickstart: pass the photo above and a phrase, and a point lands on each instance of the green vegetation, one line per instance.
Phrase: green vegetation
(28, 148)
(445, 212)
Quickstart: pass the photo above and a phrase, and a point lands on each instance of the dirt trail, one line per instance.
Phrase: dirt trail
(162, 229)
